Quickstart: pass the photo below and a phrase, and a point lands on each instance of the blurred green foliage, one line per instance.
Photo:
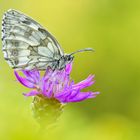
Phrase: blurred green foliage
(112, 28)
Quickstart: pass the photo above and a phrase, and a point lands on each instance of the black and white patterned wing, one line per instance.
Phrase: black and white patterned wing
(26, 44)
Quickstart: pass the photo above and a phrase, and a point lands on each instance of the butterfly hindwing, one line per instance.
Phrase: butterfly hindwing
(26, 44)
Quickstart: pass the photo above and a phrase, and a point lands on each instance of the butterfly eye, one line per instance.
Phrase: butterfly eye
(69, 58)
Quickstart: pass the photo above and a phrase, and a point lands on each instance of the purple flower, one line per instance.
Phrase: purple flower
(56, 84)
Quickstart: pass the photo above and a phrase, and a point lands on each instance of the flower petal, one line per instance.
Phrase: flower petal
(24, 81)
(31, 93)
(62, 97)
(66, 91)
(48, 89)
(28, 76)
(36, 74)
(68, 68)
(85, 83)
(33, 75)
(47, 74)
(80, 97)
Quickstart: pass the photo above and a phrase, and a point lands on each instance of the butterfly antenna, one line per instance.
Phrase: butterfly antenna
(83, 50)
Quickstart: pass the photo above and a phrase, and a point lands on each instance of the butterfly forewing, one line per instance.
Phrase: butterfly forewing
(26, 44)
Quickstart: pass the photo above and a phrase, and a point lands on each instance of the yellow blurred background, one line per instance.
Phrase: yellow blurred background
(112, 28)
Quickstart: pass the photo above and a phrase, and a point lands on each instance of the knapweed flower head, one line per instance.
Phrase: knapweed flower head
(56, 84)
(52, 91)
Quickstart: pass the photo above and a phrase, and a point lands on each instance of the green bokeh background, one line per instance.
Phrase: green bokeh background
(112, 28)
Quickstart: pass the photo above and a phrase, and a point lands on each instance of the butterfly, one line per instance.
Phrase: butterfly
(27, 45)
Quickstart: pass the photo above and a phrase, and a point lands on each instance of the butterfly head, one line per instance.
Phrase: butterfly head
(64, 60)
(69, 58)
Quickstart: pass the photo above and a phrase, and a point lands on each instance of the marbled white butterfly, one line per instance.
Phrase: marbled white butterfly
(27, 45)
